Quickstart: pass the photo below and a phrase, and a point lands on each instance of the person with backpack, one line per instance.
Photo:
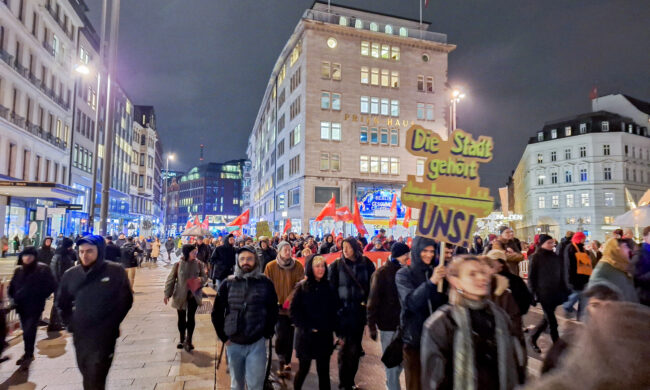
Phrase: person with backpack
(184, 285)
(129, 258)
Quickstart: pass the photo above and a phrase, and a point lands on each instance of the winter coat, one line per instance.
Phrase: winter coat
(547, 279)
(477, 247)
(45, 254)
(266, 255)
(62, 261)
(617, 280)
(418, 296)
(127, 254)
(120, 242)
(578, 281)
(352, 297)
(169, 246)
(113, 253)
(176, 283)
(93, 302)
(519, 290)
(155, 249)
(284, 280)
(246, 307)
(439, 354)
(325, 246)
(641, 270)
(314, 307)
(203, 252)
(30, 286)
(561, 247)
(222, 261)
(512, 258)
(383, 300)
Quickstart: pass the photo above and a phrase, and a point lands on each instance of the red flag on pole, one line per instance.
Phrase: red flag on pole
(392, 222)
(357, 220)
(407, 218)
(197, 222)
(333, 232)
(241, 220)
(343, 214)
(287, 226)
(206, 224)
(594, 93)
(188, 224)
(328, 211)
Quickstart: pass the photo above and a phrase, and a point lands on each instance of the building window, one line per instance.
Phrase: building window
(374, 50)
(294, 165)
(384, 136)
(394, 53)
(364, 75)
(609, 199)
(567, 131)
(326, 70)
(605, 150)
(336, 131)
(385, 78)
(555, 201)
(553, 156)
(324, 161)
(394, 109)
(403, 32)
(540, 136)
(294, 109)
(365, 48)
(279, 174)
(627, 150)
(420, 83)
(374, 164)
(388, 29)
(607, 173)
(583, 174)
(294, 196)
(363, 164)
(569, 200)
(384, 106)
(553, 133)
(394, 166)
(325, 100)
(608, 220)
(294, 137)
(394, 79)
(419, 168)
(583, 151)
(336, 101)
(384, 165)
(374, 26)
(336, 72)
(420, 111)
(568, 176)
(584, 199)
(394, 137)
(567, 154)
(365, 105)
(604, 125)
(540, 158)
(330, 131)
(540, 180)
(430, 84)
(374, 105)
(335, 162)
(374, 135)
(541, 202)
(583, 128)
(553, 177)
(363, 135)
(374, 76)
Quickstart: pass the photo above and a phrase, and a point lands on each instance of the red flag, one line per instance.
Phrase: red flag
(407, 218)
(206, 224)
(241, 220)
(287, 226)
(188, 224)
(392, 222)
(426, 3)
(333, 232)
(328, 211)
(357, 220)
(343, 214)
(196, 221)
(594, 93)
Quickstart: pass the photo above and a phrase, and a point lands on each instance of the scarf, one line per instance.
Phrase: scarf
(464, 360)
(286, 264)
(613, 256)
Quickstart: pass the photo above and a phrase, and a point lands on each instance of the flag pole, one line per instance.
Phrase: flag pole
(420, 1)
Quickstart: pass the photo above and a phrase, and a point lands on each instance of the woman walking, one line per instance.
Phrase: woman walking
(313, 312)
(469, 344)
(184, 284)
(155, 250)
(30, 286)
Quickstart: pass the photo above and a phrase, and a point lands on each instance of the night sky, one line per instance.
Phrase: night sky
(204, 64)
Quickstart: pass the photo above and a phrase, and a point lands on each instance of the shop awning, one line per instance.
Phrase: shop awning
(30, 189)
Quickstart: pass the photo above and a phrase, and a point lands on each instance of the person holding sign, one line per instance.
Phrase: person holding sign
(417, 286)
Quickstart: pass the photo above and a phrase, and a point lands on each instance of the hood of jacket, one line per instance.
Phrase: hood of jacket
(97, 241)
(419, 243)
(612, 255)
(255, 273)
(29, 250)
(65, 246)
(309, 269)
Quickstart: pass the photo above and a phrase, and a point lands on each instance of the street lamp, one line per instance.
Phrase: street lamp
(170, 156)
(456, 96)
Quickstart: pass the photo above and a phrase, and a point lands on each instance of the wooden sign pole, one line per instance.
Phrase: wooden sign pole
(441, 263)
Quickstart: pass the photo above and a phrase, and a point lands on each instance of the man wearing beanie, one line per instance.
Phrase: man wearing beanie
(384, 307)
(285, 273)
(577, 281)
(244, 314)
(93, 299)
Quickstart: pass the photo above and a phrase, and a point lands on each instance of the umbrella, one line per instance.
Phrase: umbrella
(195, 231)
(639, 216)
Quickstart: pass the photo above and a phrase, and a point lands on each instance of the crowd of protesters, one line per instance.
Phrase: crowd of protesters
(447, 317)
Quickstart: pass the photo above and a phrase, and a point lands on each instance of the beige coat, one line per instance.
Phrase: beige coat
(155, 249)
(176, 284)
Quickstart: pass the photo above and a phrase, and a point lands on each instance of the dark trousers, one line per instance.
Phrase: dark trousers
(29, 324)
(548, 320)
(94, 358)
(348, 359)
(412, 367)
(55, 320)
(186, 318)
(322, 368)
(284, 339)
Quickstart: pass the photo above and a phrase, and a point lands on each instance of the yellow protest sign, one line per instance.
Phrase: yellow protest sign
(263, 229)
(449, 194)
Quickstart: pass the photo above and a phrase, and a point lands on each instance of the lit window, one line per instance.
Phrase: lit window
(388, 29)
(608, 220)
(365, 48)
(583, 128)
(384, 136)
(385, 51)
(343, 21)
(374, 76)
(363, 164)
(336, 131)
(394, 79)
(429, 109)
(403, 32)
(394, 166)
(429, 84)
(385, 82)
(567, 131)
(374, 105)
(374, 50)
(540, 136)
(325, 100)
(363, 135)
(541, 202)
(384, 106)
(364, 75)
(609, 199)
(358, 23)
(584, 199)
(385, 165)
(374, 26)
(325, 70)
(555, 201)
(394, 137)
(335, 162)
(569, 200)
(419, 168)
(420, 111)
(365, 104)
(583, 174)
(553, 133)
(604, 125)
(336, 72)
(336, 101)
(324, 161)
(325, 129)
(394, 53)
(374, 164)
(374, 136)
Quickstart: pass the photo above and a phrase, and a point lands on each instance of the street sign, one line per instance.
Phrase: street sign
(70, 206)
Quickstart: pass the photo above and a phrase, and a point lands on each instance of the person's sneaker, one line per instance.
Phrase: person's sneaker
(20, 360)
(187, 346)
(179, 345)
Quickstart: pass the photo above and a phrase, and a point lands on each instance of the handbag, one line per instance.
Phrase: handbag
(583, 262)
(392, 356)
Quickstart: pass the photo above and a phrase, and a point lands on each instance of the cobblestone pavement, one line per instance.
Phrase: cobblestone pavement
(146, 356)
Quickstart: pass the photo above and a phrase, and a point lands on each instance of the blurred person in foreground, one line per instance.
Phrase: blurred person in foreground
(615, 270)
(641, 268)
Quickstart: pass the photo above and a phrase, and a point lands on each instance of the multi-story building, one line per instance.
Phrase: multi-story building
(579, 173)
(37, 46)
(212, 190)
(333, 120)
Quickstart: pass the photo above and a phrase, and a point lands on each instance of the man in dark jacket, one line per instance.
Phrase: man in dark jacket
(417, 286)
(384, 307)
(112, 251)
(121, 240)
(641, 268)
(222, 260)
(129, 259)
(45, 252)
(169, 247)
(566, 240)
(265, 252)
(64, 259)
(350, 276)
(93, 299)
(244, 315)
(30, 286)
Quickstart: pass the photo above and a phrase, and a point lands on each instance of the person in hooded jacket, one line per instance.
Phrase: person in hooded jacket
(566, 240)
(222, 261)
(338, 245)
(169, 247)
(350, 276)
(313, 311)
(417, 286)
(517, 286)
(326, 245)
(615, 270)
(244, 314)
(30, 286)
(45, 252)
(113, 252)
(477, 247)
(265, 252)
(93, 299)
(547, 281)
(64, 259)
(576, 280)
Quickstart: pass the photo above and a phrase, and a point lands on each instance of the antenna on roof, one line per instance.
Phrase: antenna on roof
(201, 155)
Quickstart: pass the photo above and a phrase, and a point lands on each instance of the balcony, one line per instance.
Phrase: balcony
(58, 21)
(4, 112)
(49, 48)
(21, 69)
(17, 120)
(6, 57)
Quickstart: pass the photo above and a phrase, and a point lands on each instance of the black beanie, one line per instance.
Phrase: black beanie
(187, 249)
(543, 238)
(399, 249)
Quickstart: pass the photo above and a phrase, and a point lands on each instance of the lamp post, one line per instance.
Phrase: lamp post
(170, 156)
(456, 97)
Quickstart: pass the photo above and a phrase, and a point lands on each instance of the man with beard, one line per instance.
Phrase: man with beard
(285, 273)
(244, 314)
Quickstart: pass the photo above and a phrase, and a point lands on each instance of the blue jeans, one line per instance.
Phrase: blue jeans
(576, 296)
(392, 374)
(247, 365)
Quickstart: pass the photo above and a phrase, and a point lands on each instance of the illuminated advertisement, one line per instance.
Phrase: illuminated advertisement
(375, 203)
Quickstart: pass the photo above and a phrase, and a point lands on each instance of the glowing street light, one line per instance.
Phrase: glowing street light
(456, 96)
(170, 156)
(82, 69)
